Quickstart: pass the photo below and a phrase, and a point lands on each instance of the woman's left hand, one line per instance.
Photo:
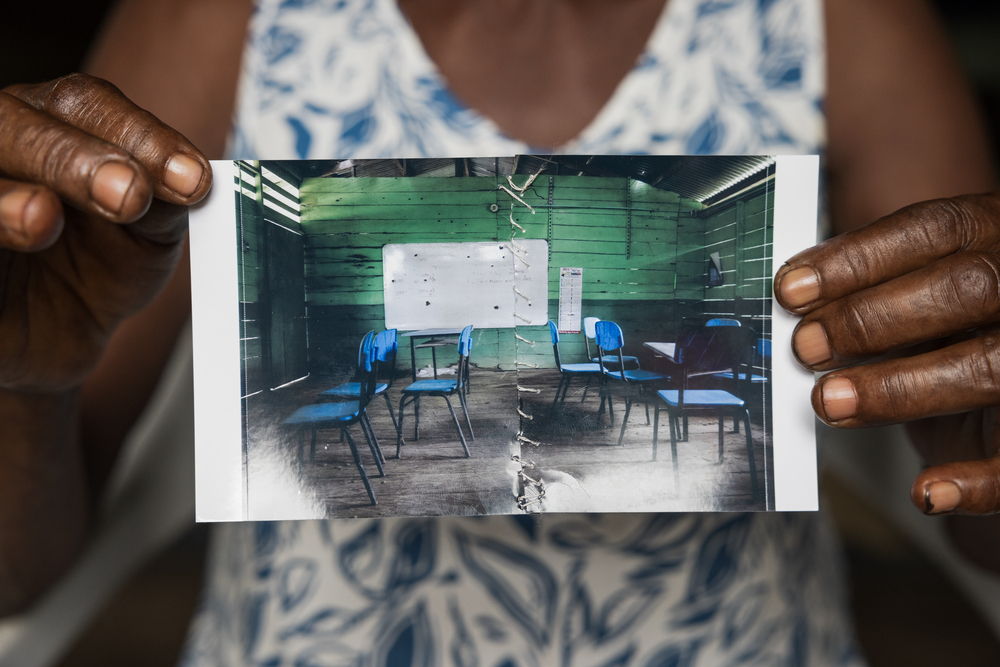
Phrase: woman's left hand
(905, 313)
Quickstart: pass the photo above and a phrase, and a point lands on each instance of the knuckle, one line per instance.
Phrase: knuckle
(73, 89)
(947, 219)
(983, 365)
(859, 325)
(973, 285)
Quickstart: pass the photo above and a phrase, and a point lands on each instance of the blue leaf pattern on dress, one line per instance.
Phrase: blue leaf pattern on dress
(349, 78)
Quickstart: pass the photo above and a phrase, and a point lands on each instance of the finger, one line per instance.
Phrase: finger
(963, 487)
(959, 292)
(893, 246)
(31, 216)
(181, 174)
(90, 173)
(957, 378)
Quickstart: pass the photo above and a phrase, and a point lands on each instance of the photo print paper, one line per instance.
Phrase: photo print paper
(499, 335)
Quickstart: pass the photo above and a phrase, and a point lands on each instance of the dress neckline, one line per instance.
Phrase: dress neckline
(614, 107)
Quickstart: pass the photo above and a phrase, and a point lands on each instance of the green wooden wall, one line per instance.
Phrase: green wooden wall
(742, 232)
(272, 345)
(642, 250)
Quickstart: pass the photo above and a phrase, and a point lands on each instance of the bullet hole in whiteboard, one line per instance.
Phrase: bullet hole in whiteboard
(427, 303)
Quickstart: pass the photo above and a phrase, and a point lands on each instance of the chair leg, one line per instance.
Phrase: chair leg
(628, 409)
(366, 430)
(685, 438)
(416, 417)
(586, 388)
(559, 387)
(656, 429)
(312, 447)
(377, 450)
(465, 409)
(458, 428)
(611, 409)
(674, 428)
(360, 466)
(722, 428)
(750, 457)
(399, 427)
(434, 361)
(646, 402)
(562, 399)
(388, 406)
(736, 424)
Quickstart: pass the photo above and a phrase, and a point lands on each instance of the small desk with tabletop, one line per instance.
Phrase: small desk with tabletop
(662, 349)
(433, 339)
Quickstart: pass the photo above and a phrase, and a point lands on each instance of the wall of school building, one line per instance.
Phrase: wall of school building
(644, 252)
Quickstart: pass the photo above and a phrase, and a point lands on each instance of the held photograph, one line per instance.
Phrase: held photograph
(499, 335)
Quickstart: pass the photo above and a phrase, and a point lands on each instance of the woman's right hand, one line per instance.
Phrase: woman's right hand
(93, 197)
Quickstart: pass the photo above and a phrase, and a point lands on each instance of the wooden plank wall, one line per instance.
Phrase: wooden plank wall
(642, 250)
(742, 232)
(260, 200)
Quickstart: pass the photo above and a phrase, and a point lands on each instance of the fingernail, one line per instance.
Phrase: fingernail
(13, 207)
(799, 287)
(182, 174)
(811, 345)
(840, 401)
(111, 184)
(940, 497)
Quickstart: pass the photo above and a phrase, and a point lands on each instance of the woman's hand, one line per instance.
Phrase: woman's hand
(93, 193)
(905, 313)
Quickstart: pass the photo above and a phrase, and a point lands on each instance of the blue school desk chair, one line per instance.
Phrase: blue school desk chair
(723, 322)
(568, 371)
(342, 415)
(443, 388)
(386, 345)
(703, 351)
(610, 360)
(633, 381)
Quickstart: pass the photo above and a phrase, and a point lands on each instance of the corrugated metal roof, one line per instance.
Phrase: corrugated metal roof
(702, 178)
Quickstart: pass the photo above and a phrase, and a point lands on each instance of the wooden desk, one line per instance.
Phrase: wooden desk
(433, 338)
(662, 349)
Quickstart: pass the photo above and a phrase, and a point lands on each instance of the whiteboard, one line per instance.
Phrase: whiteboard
(491, 285)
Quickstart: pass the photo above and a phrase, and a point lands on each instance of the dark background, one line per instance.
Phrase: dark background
(907, 611)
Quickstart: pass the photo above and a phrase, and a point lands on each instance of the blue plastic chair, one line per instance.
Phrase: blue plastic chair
(386, 345)
(762, 358)
(342, 415)
(701, 350)
(723, 322)
(568, 371)
(443, 388)
(610, 360)
(611, 341)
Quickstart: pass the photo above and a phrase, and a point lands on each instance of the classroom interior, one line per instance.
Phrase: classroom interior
(666, 244)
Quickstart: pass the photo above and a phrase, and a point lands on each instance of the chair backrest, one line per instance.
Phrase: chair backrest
(763, 349)
(554, 335)
(589, 332)
(464, 350)
(364, 353)
(711, 349)
(723, 322)
(367, 368)
(705, 349)
(386, 346)
(610, 341)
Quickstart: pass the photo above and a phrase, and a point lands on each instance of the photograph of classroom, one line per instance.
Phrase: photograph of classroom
(595, 335)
